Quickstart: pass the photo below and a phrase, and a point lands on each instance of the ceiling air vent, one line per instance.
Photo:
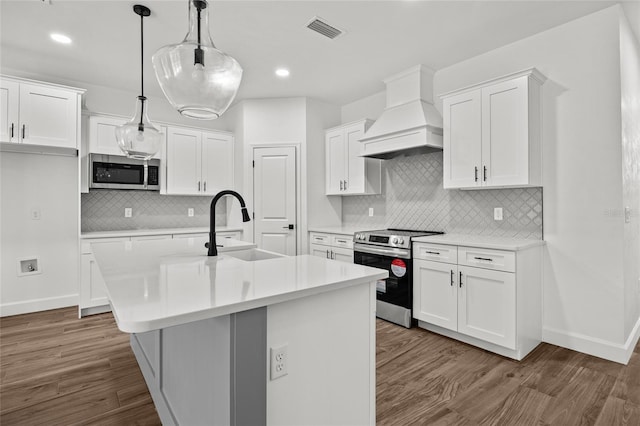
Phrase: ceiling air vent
(321, 27)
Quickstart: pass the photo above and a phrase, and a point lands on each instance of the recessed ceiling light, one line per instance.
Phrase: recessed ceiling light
(60, 38)
(282, 72)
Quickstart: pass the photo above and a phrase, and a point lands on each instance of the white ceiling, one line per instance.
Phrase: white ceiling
(383, 38)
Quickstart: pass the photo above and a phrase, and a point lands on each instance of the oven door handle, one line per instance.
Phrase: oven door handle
(404, 254)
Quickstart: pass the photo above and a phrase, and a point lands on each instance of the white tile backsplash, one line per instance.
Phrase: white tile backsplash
(413, 198)
(103, 210)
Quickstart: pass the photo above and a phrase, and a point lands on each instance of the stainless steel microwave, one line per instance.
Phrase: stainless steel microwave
(120, 172)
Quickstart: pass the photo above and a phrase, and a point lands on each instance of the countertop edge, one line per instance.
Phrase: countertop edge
(151, 325)
(493, 243)
(148, 232)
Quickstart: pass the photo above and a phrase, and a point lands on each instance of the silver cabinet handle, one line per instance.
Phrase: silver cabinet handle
(328, 255)
(433, 252)
(11, 130)
(452, 278)
(342, 241)
(24, 130)
(345, 185)
(333, 255)
(460, 279)
(476, 173)
(484, 173)
(198, 186)
(483, 258)
(205, 186)
(340, 185)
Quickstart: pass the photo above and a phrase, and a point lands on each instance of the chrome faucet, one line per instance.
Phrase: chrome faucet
(211, 245)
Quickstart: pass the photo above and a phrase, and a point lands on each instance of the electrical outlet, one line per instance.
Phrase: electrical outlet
(190, 212)
(128, 211)
(279, 362)
(370, 211)
(497, 213)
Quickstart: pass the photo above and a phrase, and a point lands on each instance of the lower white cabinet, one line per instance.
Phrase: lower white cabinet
(479, 296)
(331, 246)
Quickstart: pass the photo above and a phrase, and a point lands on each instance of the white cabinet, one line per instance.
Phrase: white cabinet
(478, 296)
(331, 246)
(197, 162)
(102, 135)
(346, 172)
(39, 113)
(93, 291)
(492, 133)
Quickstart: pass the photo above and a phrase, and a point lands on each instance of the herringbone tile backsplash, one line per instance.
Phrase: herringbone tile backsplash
(413, 198)
(103, 210)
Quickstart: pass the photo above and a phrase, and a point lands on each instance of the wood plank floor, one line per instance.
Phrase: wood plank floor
(58, 370)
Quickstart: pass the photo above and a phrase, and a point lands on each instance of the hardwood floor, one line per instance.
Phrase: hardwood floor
(58, 370)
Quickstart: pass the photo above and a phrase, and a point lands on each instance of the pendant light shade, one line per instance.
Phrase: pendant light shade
(138, 138)
(198, 80)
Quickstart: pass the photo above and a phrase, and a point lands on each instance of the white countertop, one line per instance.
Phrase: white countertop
(162, 283)
(145, 232)
(481, 241)
(341, 230)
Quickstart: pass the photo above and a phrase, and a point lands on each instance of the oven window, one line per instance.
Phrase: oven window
(118, 173)
(397, 288)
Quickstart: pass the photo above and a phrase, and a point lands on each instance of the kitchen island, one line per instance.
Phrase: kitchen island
(246, 337)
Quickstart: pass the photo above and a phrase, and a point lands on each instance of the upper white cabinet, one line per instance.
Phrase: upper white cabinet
(102, 135)
(492, 133)
(197, 162)
(39, 113)
(346, 172)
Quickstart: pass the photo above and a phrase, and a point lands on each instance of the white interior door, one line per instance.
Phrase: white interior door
(274, 199)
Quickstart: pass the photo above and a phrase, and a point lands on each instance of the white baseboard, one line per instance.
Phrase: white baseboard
(593, 346)
(37, 305)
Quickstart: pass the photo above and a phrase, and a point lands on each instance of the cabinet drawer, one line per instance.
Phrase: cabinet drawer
(498, 260)
(345, 241)
(435, 252)
(86, 243)
(316, 238)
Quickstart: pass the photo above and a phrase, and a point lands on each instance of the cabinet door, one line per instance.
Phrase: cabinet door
(487, 305)
(505, 141)
(435, 293)
(462, 140)
(217, 162)
(342, 254)
(102, 135)
(183, 161)
(48, 116)
(93, 290)
(335, 167)
(9, 92)
(319, 250)
(354, 181)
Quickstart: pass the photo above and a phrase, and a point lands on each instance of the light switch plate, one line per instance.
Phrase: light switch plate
(497, 213)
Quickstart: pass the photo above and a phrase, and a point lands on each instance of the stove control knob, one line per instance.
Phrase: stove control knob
(395, 241)
(401, 241)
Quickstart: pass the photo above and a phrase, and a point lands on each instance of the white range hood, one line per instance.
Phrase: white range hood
(410, 123)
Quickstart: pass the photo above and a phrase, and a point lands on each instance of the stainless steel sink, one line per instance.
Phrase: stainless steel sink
(253, 254)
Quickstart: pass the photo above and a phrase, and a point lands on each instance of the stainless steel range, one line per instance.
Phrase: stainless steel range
(390, 249)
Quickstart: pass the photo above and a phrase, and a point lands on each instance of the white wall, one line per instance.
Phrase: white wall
(582, 152)
(297, 121)
(50, 184)
(369, 107)
(630, 103)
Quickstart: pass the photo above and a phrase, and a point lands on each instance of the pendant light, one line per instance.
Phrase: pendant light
(138, 138)
(197, 79)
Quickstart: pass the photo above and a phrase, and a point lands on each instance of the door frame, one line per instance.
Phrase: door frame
(298, 174)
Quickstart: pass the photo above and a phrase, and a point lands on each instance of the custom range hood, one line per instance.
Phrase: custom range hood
(410, 124)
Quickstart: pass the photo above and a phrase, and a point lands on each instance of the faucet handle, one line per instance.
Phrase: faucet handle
(206, 245)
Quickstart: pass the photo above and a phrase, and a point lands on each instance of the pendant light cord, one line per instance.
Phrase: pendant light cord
(142, 97)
